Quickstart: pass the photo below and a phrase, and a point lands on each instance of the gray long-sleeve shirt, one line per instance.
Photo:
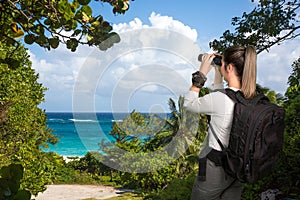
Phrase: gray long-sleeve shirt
(220, 107)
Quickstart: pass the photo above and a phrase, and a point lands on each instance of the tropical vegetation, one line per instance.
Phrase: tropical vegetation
(49, 23)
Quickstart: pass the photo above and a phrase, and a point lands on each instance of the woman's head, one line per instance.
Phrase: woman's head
(243, 60)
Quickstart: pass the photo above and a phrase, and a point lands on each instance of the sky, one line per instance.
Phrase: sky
(160, 42)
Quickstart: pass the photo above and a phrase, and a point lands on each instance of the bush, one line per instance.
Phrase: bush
(23, 128)
(178, 189)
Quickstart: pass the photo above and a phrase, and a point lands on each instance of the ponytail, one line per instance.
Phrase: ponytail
(244, 61)
(248, 86)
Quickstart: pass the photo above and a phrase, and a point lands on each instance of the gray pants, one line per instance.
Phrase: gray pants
(217, 185)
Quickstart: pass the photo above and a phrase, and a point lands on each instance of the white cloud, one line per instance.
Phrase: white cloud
(58, 69)
(166, 22)
(123, 27)
(160, 22)
(274, 67)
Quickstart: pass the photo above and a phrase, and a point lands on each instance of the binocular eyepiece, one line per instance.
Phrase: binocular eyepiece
(217, 61)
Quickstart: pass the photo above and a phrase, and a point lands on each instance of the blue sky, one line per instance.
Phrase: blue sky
(144, 78)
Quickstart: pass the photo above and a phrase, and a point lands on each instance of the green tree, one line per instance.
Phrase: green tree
(23, 128)
(48, 23)
(141, 134)
(274, 97)
(131, 151)
(289, 175)
(270, 23)
(193, 128)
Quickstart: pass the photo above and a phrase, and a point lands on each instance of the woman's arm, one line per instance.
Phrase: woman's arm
(204, 68)
(203, 104)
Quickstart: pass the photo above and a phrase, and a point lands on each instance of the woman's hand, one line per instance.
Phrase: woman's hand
(206, 65)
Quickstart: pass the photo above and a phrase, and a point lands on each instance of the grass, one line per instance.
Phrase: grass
(89, 199)
(127, 196)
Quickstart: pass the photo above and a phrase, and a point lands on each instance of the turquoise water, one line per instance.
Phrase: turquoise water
(80, 133)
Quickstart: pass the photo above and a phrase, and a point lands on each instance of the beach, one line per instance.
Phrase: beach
(78, 192)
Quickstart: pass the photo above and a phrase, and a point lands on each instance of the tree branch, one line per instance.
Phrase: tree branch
(280, 39)
(20, 11)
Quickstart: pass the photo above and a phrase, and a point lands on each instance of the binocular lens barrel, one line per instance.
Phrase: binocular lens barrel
(216, 61)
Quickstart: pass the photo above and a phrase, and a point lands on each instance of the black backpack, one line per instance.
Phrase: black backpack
(256, 137)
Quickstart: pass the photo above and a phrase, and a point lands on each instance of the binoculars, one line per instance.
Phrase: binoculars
(216, 61)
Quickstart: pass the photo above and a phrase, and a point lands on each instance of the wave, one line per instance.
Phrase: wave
(58, 121)
(84, 120)
(117, 120)
(67, 121)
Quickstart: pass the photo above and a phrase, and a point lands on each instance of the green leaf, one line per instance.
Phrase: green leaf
(72, 44)
(3, 183)
(76, 32)
(16, 171)
(84, 2)
(29, 39)
(47, 21)
(39, 29)
(54, 42)
(5, 172)
(23, 195)
(87, 10)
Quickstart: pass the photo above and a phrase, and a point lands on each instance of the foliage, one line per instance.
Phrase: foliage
(290, 162)
(48, 23)
(271, 22)
(23, 126)
(192, 127)
(139, 137)
(92, 163)
(10, 183)
(274, 97)
(149, 181)
(178, 189)
(68, 175)
(131, 138)
(85, 170)
(293, 90)
(126, 196)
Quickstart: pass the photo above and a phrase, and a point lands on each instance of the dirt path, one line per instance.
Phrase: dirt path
(77, 192)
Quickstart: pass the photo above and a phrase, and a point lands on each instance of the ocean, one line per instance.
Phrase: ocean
(82, 132)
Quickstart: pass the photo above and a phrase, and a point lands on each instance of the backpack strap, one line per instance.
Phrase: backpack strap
(218, 140)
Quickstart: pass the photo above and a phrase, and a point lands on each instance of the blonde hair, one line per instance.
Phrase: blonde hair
(244, 61)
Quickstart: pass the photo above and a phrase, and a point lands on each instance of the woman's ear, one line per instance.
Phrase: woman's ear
(229, 68)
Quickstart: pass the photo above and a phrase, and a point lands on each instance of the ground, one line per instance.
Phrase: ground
(78, 192)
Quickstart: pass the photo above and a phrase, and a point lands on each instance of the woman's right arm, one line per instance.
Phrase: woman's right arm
(204, 104)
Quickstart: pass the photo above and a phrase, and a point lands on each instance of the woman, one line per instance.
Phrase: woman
(239, 71)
